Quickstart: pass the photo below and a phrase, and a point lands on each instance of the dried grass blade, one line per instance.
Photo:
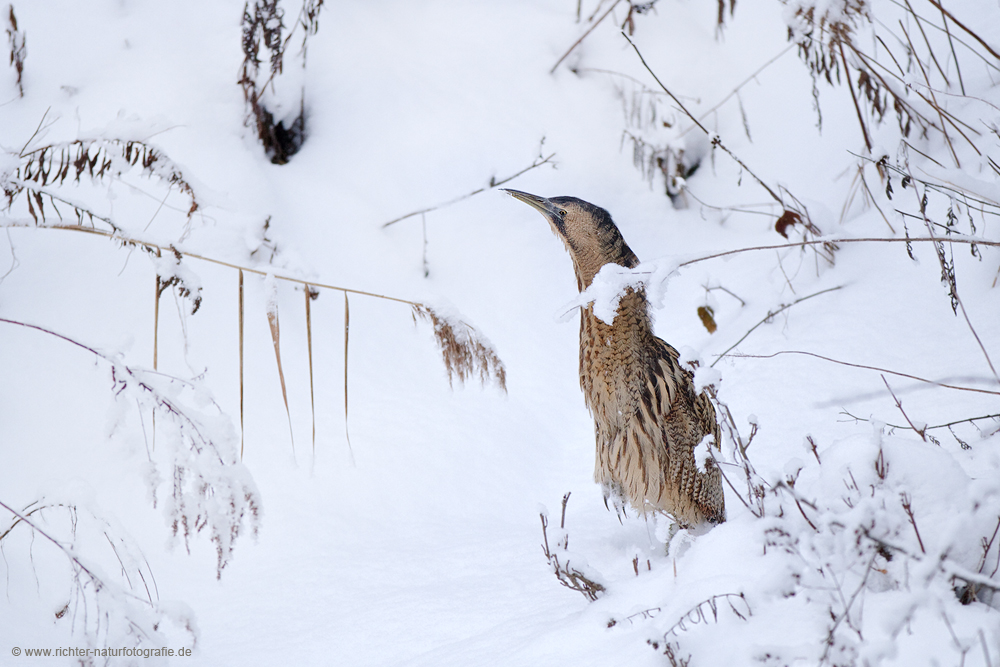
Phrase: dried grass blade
(156, 337)
(310, 295)
(156, 322)
(347, 329)
(272, 321)
(241, 362)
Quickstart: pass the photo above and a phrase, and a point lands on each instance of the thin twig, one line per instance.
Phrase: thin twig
(905, 499)
(731, 209)
(934, 102)
(963, 27)
(899, 404)
(735, 91)
(729, 292)
(769, 317)
(920, 24)
(953, 288)
(952, 238)
(149, 244)
(98, 583)
(788, 488)
(583, 36)
(716, 140)
(870, 368)
(970, 420)
(493, 184)
(871, 198)
(837, 239)
(847, 607)
(854, 98)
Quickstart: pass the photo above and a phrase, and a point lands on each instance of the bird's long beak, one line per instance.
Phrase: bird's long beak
(541, 204)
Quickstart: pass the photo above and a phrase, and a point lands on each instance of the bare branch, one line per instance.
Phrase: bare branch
(583, 36)
(493, 184)
(769, 317)
(920, 431)
(870, 368)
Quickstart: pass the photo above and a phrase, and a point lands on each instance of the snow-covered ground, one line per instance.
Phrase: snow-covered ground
(418, 541)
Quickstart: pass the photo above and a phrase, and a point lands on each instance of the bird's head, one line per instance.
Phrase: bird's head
(588, 232)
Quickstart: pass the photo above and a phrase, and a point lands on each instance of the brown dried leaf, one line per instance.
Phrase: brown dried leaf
(787, 219)
(705, 314)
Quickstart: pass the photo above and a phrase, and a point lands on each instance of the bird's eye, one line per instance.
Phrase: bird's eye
(562, 212)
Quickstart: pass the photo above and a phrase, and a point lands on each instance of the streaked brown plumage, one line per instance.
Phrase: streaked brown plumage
(647, 417)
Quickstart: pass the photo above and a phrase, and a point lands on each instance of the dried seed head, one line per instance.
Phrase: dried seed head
(464, 352)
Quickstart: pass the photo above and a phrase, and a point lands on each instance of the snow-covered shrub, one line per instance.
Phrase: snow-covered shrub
(58, 540)
(872, 547)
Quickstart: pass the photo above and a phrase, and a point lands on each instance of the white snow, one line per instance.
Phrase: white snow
(141, 509)
(703, 452)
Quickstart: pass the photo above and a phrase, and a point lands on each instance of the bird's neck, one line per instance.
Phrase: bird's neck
(613, 356)
(632, 322)
(587, 263)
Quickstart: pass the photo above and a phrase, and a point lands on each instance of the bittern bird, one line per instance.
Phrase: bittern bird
(648, 418)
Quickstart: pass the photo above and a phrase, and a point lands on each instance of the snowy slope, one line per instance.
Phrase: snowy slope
(419, 541)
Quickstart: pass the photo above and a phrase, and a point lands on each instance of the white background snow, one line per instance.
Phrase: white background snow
(419, 543)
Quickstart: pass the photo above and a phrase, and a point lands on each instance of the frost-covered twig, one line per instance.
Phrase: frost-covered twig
(104, 612)
(790, 490)
(99, 159)
(845, 615)
(210, 487)
(755, 484)
(737, 602)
